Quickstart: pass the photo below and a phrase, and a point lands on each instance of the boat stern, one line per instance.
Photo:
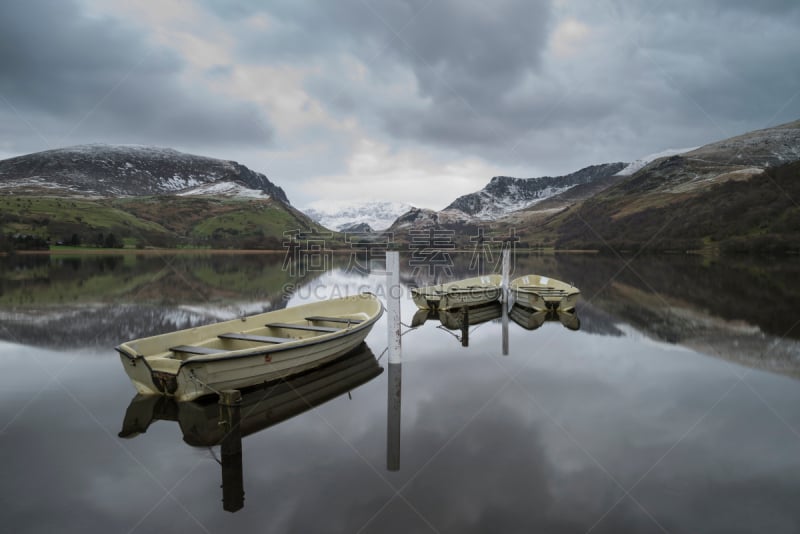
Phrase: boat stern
(146, 379)
(139, 372)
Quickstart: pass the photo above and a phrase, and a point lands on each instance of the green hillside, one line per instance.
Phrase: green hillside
(30, 221)
(754, 215)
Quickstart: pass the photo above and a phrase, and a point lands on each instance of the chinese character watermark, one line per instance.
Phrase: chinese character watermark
(429, 250)
(306, 252)
(367, 249)
(487, 251)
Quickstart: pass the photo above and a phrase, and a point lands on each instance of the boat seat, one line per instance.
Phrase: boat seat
(304, 327)
(190, 349)
(335, 319)
(257, 339)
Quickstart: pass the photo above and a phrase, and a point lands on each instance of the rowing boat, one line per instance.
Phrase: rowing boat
(542, 293)
(205, 423)
(262, 407)
(468, 292)
(241, 353)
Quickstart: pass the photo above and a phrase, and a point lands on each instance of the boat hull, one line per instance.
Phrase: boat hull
(246, 364)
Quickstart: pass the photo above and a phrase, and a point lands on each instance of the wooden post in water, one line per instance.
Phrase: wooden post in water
(393, 291)
(506, 268)
(231, 450)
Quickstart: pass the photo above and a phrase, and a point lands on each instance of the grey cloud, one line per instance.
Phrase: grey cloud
(63, 71)
(664, 75)
(457, 49)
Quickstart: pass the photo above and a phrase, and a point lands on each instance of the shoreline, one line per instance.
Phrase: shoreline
(218, 251)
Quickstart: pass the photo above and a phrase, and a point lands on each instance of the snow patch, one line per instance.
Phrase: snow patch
(632, 168)
(223, 189)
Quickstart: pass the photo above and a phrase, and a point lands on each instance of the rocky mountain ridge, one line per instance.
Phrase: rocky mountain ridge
(505, 194)
(100, 170)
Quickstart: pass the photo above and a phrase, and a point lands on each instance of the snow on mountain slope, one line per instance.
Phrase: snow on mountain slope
(641, 162)
(340, 215)
(223, 189)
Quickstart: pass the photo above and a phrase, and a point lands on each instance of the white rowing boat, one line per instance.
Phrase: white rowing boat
(241, 353)
(468, 292)
(542, 293)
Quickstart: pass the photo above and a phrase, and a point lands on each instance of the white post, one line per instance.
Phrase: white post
(393, 304)
(505, 272)
(506, 268)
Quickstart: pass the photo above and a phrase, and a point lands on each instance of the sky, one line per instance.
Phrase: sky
(417, 101)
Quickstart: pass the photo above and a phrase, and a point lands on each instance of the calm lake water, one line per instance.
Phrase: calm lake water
(674, 408)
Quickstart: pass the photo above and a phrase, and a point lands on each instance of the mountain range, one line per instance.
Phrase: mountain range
(732, 195)
(356, 216)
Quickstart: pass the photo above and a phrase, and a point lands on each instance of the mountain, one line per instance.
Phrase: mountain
(505, 194)
(735, 195)
(122, 170)
(136, 196)
(349, 217)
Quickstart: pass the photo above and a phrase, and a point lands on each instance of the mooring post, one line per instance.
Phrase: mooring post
(393, 291)
(231, 450)
(506, 268)
(394, 383)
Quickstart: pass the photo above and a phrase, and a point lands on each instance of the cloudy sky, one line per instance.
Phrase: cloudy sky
(412, 100)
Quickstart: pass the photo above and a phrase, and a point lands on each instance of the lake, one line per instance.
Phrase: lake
(674, 407)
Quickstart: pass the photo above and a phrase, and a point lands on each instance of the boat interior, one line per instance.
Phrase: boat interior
(269, 334)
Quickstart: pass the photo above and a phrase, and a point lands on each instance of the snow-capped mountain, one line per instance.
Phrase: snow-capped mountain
(505, 194)
(634, 166)
(131, 170)
(344, 216)
(419, 218)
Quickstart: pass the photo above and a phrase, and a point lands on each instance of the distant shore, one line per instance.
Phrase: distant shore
(167, 251)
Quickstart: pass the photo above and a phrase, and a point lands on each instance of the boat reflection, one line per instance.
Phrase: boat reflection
(208, 423)
(460, 318)
(394, 402)
(531, 319)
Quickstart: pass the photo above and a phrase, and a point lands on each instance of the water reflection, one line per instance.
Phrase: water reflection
(531, 319)
(461, 319)
(209, 423)
(543, 441)
(394, 401)
(739, 309)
